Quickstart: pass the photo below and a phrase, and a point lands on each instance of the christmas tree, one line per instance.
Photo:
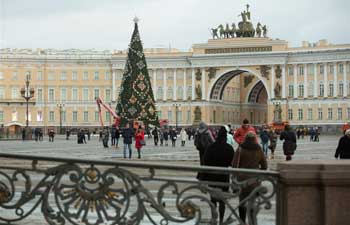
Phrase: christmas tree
(136, 100)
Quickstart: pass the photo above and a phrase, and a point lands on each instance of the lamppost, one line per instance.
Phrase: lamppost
(176, 105)
(27, 94)
(60, 106)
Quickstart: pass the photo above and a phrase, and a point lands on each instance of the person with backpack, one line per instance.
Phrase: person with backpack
(202, 140)
(264, 136)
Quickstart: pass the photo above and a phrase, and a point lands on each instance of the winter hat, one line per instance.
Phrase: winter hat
(202, 125)
(250, 137)
(245, 121)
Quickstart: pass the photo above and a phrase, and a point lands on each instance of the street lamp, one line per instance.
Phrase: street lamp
(176, 105)
(60, 106)
(27, 94)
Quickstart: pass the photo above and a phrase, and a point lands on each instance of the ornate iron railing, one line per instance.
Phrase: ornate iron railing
(76, 191)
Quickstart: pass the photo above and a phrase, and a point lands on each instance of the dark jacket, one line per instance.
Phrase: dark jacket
(172, 134)
(221, 155)
(127, 135)
(203, 139)
(343, 149)
(113, 132)
(290, 142)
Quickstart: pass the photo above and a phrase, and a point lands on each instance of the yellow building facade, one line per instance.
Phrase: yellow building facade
(227, 80)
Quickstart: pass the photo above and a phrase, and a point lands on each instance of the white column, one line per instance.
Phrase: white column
(325, 80)
(305, 80)
(113, 86)
(193, 84)
(175, 86)
(295, 70)
(345, 82)
(154, 83)
(315, 80)
(185, 86)
(203, 84)
(283, 81)
(273, 81)
(335, 79)
(165, 85)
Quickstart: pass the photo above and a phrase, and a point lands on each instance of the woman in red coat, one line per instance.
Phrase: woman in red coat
(139, 141)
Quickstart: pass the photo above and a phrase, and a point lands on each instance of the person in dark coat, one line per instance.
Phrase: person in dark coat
(166, 137)
(155, 136)
(202, 140)
(113, 135)
(218, 154)
(173, 137)
(117, 136)
(249, 155)
(343, 149)
(127, 136)
(290, 142)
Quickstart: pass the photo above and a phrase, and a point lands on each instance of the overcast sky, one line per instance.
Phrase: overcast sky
(108, 24)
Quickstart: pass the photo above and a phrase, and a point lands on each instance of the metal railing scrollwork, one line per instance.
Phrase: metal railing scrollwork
(91, 192)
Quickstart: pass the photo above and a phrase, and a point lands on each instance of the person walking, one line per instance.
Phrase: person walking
(290, 142)
(105, 137)
(343, 149)
(241, 132)
(161, 137)
(173, 137)
(166, 136)
(113, 135)
(51, 135)
(273, 142)
(249, 155)
(202, 140)
(183, 136)
(264, 137)
(229, 138)
(23, 134)
(127, 139)
(155, 136)
(218, 154)
(139, 141)
(67, 134)
(117, 136)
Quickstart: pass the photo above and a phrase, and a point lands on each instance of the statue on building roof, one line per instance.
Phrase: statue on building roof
(264, 28)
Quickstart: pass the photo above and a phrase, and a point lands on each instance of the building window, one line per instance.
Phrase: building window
(74, 94)
(188, 117)
(290, 70)
(63, 75)
(331, 90)
(63, 96)
(300, 114)
(108, 116)
(180, 92)
(322, 69)
(39, 75)
(341, 89)
(2, 93)
(330, 113)
(96, 75)
(331, 69)
(290, 90)
(74, 75)
(301, 70)
(39, 116)
(97, 116)
(160, 93)
(86, 116)
(1, 116)
(320, 114)
(107, 75)
(170, 116)
(310, 89)
(14, 93)
(51, 95)
(179, 116)
(64, 116)
(340, 113)
(86, 94)
(159, 75)
(159, 114)
(39, 94)
(75, 116)
(170, 93)
(96, 93)
(51, 75)
(108, 95)
(15, 75)
(321, 89)
(51, 116)
(189, 92)
(341, 68)
(86, 75)
(311, 69)
(301, 90)
(290, 114)
(348, 113)
(309, 114)
(170, 75)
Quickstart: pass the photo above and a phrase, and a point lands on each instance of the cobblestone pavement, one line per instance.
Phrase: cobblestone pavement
(156, 154)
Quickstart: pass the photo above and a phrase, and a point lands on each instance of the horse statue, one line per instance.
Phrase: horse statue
(221, 31)
(264, 28)
(214, 32)
(233, 30)
(258, 30)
